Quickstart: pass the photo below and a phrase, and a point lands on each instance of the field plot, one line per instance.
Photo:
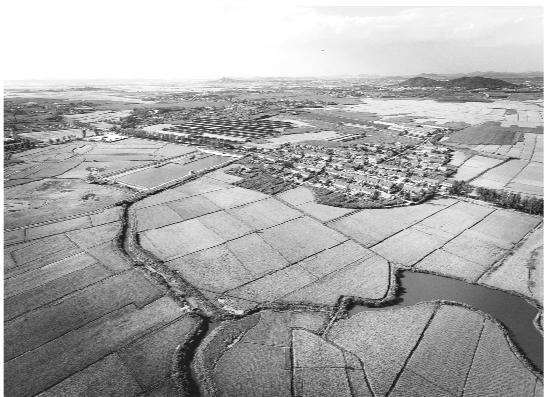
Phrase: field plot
(120, 151)
(489, 134)
(522, 271)
(507, 226)
(442, 112)
(84, 169)
(304, 199)
(256, 255)
(174, 150)
(369, 227)
(456, 218)
(324, 213)
(256, 265)
(149, 178)
(448, 264)
(401, 355)
(99, 115)
(539, 148)
(49, 169)
(77, 306)
(529, 180)
(35, 269)
(192, 207)
(233, 197)
(475, 166)
(47, 136)
(57, 198)
(179, 239)
(382, 339)
(134, 143)
(299, 238)
(155, 217)
(476, 247)
(255, 364)
(452, 335)
(264, 213)
(366, 278)
(528, 147)
(499, 177)
(409, 246)
(225, 225)
(228, 272)
(510, 378)
(318, 366)
(297, 196)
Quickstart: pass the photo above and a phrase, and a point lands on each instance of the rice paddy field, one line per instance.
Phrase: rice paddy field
(429, 349)
(520, 272)
(475, 166)
(269, 249)
(50, 183)
(454, 238)
(155, 176)
(489, 133)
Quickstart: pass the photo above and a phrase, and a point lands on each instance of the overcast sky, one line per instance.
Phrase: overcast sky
(162, 39)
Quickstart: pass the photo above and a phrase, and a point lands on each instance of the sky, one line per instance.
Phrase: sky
(163, 39)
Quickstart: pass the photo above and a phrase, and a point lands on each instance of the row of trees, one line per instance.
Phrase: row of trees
(502, 198)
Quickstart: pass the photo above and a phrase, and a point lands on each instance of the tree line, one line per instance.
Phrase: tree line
(501, 198)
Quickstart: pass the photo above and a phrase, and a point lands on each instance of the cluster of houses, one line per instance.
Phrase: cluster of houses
(378, 172)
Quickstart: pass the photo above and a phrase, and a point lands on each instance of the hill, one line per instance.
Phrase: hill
(466, 82)
(480, 82)
(421, 82)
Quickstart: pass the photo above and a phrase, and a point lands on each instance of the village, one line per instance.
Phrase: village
(390, 174)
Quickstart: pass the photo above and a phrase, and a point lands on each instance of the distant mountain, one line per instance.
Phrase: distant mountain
(422, 82)
(489, 74)
(469, 83)
(472, 83)
(226, 80)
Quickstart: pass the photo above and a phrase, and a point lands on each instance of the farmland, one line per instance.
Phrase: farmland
(385, 352)
(520, 271)
(475, 166)
(488, 133)
(154, 265)
(160, 175)
(527, 114)
(270, 251)
(458, 239)
(73, 270)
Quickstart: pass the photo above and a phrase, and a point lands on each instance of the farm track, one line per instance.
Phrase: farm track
(488, 169)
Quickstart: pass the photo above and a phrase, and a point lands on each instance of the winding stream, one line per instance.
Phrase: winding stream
(512, 311)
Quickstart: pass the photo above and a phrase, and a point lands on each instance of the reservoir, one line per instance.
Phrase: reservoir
(515, 313)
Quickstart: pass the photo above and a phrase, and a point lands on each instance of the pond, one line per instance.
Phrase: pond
(512, 311)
